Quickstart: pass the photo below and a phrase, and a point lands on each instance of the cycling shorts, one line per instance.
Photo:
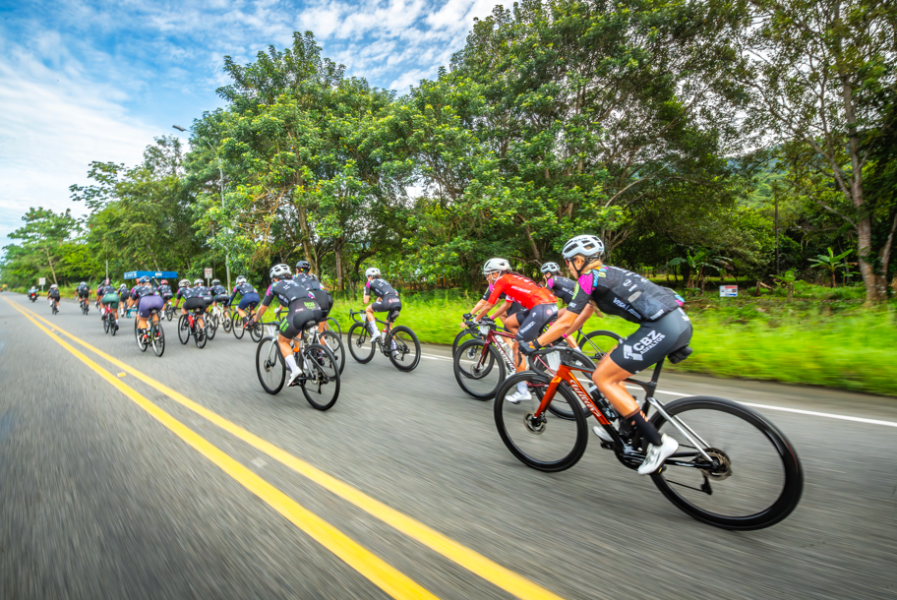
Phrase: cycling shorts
(223, 298)
(147, 303)
(534, 319)
(652, 341)
(248, 299)
(167, 297)
(302, 313)
(84, 294)
(324, 300)
(392, 304)
(111, 299)
(194, 303)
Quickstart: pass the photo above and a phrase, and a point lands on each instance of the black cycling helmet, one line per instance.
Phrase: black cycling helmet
(304, 266)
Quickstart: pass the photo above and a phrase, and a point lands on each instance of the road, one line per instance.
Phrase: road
(178, 477)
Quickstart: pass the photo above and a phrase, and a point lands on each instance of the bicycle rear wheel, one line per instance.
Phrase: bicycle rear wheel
(184, 329)
(157, 338)
(211, 325)
(322, 382)
(757, 479)
(479, 368)
(403, 349)
(226, 323)
(199, 334)
(237, 326)
(106, 324)
(360, 346)
(335, 345)
(257, 331)
(548, 443)
(140, 343)
(269, 365)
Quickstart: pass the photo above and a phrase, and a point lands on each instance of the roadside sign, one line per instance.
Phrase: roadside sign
(41, 280)
(728, 291)
(208, 273)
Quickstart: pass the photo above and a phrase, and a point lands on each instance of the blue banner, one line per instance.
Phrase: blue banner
(151, 274)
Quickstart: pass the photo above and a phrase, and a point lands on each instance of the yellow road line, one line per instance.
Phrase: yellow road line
(378, 571)
(476, 563)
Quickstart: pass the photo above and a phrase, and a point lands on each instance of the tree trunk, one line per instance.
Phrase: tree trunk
(50, 260)
(874, 289)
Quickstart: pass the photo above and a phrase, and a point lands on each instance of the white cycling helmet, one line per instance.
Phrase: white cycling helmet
(496, 264)
(54, 286)
(83, 283)
(372, 272)
(240, 280)
(197, 282)
(586, 245)
(550, 267)
(183, 283)
(281, 271)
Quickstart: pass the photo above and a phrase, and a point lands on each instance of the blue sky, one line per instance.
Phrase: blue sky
(83, 81)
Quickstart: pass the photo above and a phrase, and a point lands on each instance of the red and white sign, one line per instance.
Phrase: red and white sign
(208, 273)
(728, 291)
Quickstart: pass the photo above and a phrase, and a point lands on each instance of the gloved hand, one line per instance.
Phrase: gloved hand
(530, 347)
(467, 316)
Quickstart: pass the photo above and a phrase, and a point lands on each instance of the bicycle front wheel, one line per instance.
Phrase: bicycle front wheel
(479, 368)
(226, 323)
(462, 337)
(334, 325)
(211, 325)
(257, 331)
(184, 329)
(359, 341)
(321, 383)
(269, 365)
(157, 338)
(403, 349)
(755, 479)
(547, 443)
(598, 343)
(237, 326)
(335, 345)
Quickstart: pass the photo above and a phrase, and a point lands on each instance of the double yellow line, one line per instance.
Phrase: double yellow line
(383, 575)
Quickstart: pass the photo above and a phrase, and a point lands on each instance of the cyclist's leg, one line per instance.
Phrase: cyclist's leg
(512, 324)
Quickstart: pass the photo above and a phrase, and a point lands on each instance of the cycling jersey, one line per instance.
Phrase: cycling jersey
(309, 281)
(83, 290)
(140, 291)
(192, 292)
(242, 289)
(53, 294)
(522, 290)
(379, 288)
(105, 289)
(218, 290)
(562, 287)
(620, 292)
(286, 292)
(165, 290)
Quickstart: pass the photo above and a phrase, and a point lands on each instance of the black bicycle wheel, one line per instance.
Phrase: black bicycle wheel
(226, 323)
(333, 324)
(140, 343)
(237, 326)
(199, 334)
(269, 365)
(211, 325)
(547, 443)
(479, 369)
(257, 331)
(598, 343)
(463, 336)
(169, 312)
(184, 329)
(106, 324)
(757, 479)
(360, 346)
(114, 326)
(157, 338)
(403, 349)
(322, 382)
(335, 345)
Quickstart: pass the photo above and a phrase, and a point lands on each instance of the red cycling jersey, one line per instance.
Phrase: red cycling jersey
(522, 290)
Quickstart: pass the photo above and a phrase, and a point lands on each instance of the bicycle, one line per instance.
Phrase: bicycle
(169, 311)
(401, 341)
(320, 377)
(188, 325)
(328, 339)
(692, 478)
(85, 307)
(155, 336)
(238, 325)
(213, 320)
(54, 306)
(226, 319)
(109, 325)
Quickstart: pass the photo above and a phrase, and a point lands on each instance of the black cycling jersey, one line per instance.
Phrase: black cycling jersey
(562, 287)
(53, 293)
(242, 289)
(620, 292)
(192, 292)
(165, 290)
(379, 288)
(83, 290)
(142, 291)
(286, 291)
(218, 290)
(106, 289)
(308, 280)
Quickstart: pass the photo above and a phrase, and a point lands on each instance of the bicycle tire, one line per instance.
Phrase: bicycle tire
(791, 489)
(339, 330)
(334, 341)
(169, 313)
(106, 325)
(200, 335)
(359, 333)
(211, 325)
(462, 337)
(580, 428)
(184, 329)
(114, 327)
(311, 354)
(226, 321)
(140, 343)
(596, 344)
(261, 364)
(402, 349)
(256, 332)
(237, 326)
(157, 338)
(463, 374)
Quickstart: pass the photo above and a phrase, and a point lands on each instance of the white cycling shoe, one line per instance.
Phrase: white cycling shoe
(517, 397)
(294, 376)
(658, 454)
(602, 434)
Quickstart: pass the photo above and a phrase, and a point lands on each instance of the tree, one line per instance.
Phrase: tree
(830, 262)
(46, 232)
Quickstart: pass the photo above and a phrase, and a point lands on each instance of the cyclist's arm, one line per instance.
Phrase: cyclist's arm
(232, 296)
(265, 303)
(497, 290)
(563, 323)
(503, 309)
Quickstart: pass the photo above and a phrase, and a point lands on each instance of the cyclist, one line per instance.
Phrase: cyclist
(316, 289)
(32, 291)
(193, 299)
(165, 291)
(124, 294)
(387, 300)
(249, 296)
(107, 295)
(663, 328)
(539, 307)
(82, 291)
(53, 295)
(145, 298)
(219, 292)
(565, 289)
(302, 310)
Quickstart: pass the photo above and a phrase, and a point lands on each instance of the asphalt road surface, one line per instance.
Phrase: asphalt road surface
(179, 477)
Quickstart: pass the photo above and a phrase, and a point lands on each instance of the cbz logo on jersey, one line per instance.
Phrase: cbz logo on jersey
(648, 342)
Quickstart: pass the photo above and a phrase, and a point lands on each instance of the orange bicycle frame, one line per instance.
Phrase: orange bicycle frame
(564, 373)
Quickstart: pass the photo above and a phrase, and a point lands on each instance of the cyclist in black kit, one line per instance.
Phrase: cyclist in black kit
(316, 289)
(83, 292)
(565, 289)
(249, 296)
(302, 310)
(387, 300)
(195, 297)
(53, 295)
(165, 291)
(219, 292)
(664, 328)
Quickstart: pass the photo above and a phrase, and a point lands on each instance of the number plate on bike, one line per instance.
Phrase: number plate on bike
(554, 360)
(484, 329)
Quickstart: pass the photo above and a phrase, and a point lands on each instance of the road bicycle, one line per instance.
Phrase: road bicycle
(110, 325)
(188, 325)
(54, 305)
(227, 316)
(734, 469)
(320, 379)
(238, 325)
(169, 310)
(154, 335)
(329, 339)
(85, 306)
(400, 343)
(214, 316)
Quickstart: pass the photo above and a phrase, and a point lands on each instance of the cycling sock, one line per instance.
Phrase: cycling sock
(649, 432)
(291, 363)
(373, 327)
(521, 388)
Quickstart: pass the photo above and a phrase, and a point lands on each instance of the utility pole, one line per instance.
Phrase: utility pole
(776, 196)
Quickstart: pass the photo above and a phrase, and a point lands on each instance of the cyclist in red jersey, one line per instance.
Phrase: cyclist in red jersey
(539, 307)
